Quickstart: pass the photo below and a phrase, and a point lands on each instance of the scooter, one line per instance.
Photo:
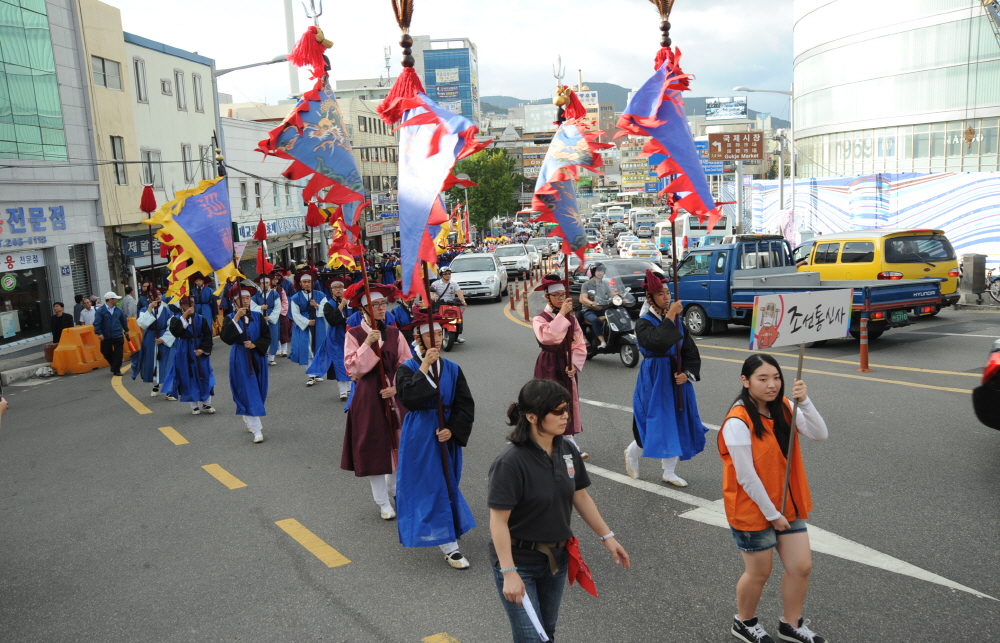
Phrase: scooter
(619, 331)
(450, 330)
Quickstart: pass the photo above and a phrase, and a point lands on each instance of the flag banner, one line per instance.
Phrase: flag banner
(314, 137)
(797, 318)
(343, 246)
(573, 146)
(657, 111)
(198, 226)
(431, 141)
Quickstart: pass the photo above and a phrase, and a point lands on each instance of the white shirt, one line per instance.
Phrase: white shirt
(87, 316)
(736, 435)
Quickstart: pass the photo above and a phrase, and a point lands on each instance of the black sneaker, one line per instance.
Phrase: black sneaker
(750, 631)
(800, 634)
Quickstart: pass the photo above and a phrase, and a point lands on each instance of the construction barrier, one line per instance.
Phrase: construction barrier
(864, 345)
(79, 350)
(527, 316)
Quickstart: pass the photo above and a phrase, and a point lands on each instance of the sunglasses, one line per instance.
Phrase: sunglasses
(564, 410)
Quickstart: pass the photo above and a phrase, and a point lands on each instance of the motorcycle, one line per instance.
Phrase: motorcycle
(619, 330)
(449, 332)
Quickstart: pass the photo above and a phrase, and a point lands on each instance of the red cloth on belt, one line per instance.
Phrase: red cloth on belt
(578, 569)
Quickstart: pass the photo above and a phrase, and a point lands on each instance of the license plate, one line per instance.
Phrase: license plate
(899, 316)
(640, 298)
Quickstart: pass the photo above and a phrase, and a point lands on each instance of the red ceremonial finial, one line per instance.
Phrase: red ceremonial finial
(314, 218)
(260, 234)
(309, 51)
(148, 202)
(408, 84)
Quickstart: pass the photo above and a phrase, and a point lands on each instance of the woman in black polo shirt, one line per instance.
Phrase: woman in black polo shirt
(533, 487)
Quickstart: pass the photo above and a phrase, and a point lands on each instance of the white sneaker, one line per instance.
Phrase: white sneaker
(457, 560)
(195, 411)
(258, 439)
(631, 470)
(170, 398)
(207, 409)
(602, 345)
(312, 380)
(271, 362)
(343, 396)
(675, 480)
(387, 512)
(459, 341)
(154, 392)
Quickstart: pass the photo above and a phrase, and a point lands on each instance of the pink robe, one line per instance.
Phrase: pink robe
(551, 334)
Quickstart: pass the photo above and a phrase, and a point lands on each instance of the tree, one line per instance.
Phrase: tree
(497, 181)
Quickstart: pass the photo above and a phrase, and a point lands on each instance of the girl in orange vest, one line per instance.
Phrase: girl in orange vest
(753, 443)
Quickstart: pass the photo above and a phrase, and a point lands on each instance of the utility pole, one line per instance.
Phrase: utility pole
(293, 72)
(739, 198)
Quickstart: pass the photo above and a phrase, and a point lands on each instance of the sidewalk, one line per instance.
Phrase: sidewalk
(21, 366)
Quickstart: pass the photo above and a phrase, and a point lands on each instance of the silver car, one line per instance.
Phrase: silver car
(479, 275)
(515, 259)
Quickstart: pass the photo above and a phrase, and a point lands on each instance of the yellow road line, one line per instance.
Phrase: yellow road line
(510, 316)
(173, 435)
(224, 476)
(443, 637)
(313, 543)
(860, 377)
(844, 361)
(116, 384)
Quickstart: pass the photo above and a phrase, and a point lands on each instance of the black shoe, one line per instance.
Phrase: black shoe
(750, 631)
(117, 374)
(800, 634)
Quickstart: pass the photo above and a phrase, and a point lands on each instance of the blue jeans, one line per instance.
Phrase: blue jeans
(595, 323)
(545, 590)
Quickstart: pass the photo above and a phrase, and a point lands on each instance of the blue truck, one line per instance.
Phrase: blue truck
(718, 284)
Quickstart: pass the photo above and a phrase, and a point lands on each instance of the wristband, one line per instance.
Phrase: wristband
(610, 534)
(509, 569)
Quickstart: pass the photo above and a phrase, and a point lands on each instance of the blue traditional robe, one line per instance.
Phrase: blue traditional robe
(306, 339)
(388, 272)
(331, 353)
(205, 303)
(425, 513)
(191, 378)
(272, 298)
(665, 432)
(153, 361)
(247, 367)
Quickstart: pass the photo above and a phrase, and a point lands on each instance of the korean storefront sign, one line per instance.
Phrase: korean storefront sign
(275, 228)
(10, 261)
(139, 246)
(27, 226)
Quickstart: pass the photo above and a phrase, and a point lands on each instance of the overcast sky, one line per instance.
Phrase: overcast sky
(724, 43)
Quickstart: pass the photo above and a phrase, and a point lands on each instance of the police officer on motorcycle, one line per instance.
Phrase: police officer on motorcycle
(593, 292)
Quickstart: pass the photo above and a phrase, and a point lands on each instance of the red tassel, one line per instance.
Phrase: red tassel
(407, 86)
(261, 233)
(575, 109)
(264, 266)
(308, 52)
(148, 202)
(314, 218)
(662, 55)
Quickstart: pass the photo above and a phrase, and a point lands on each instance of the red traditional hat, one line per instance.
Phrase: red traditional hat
(246, 284)
(344, 279)
(198, 275)
(550, 280)
(307, 271)
(652, 283)
(357, 291)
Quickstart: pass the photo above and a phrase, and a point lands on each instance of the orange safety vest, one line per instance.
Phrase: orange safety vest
(769, 462)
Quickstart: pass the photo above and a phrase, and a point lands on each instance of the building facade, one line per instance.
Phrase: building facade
(906, 88)
(50, 236)
(451, 75)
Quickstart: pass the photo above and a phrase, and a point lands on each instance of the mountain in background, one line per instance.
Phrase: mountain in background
(607, 93)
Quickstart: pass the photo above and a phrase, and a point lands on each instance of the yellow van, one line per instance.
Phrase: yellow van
(861, 255)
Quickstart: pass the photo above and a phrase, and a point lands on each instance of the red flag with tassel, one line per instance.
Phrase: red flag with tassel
(314, 218)
(263, 265)
(148, 202)
(260, 234)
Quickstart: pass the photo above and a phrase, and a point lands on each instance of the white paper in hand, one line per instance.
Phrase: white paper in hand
(526, 602)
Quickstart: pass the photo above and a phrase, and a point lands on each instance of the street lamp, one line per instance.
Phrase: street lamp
(215, 89)
(791, 126)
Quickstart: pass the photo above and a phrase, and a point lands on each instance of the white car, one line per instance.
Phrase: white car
(543, 244)
(625, 239)
(479, 275)
(642, 250)
(515, 259)
(535, 254)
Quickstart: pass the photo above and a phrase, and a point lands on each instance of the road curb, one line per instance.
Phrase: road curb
(19, 374)
(978, 308)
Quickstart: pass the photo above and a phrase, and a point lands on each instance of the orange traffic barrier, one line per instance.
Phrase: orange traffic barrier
(527, 317)
(863, 367)
(510, 293)
(517, 289)
(79, 350)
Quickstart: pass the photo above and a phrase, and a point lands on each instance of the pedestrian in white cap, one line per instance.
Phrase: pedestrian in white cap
(111, 327)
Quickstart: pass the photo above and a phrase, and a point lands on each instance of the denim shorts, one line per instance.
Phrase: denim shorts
(764, 539)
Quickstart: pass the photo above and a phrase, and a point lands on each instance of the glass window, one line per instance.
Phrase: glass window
(827, 253)
(858, 252)
(186, 162)
(205, 159)
(244, 201)
(257, 195)
(139, 71)
(720, 262)
(107, 73)
(918, 249)
(151, 169)
(364, 153)
(288, 195)
(199, 96)
(921, 142)
(166, 88)
(118, 154)
(695, 264)
(361, 124)
(179, 83)
(276, 196)
(988, 144)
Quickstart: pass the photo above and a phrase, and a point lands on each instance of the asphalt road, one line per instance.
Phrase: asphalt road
(111, 532)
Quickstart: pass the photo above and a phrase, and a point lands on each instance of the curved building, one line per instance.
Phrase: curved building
(895, 87)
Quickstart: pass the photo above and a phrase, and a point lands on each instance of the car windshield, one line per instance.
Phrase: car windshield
(473, 264)
(510, 251)
(538, 242)
(918, 248)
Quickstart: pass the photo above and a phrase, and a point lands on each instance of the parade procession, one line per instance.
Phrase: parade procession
(416, 414)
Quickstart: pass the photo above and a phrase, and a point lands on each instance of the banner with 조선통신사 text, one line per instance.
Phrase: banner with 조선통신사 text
(797, 318)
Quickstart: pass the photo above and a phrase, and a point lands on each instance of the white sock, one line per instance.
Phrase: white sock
(379, 491)
(194, 405)
(345, 387)
(569, 438)
(390, 481)
(208, 402)
(448, 548)
(634, 452)
(669, 464)
(253, 423)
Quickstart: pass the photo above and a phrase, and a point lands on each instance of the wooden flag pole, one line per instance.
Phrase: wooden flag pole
(436, 374)
(792, 431)
(378, 352)
(673, 257)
